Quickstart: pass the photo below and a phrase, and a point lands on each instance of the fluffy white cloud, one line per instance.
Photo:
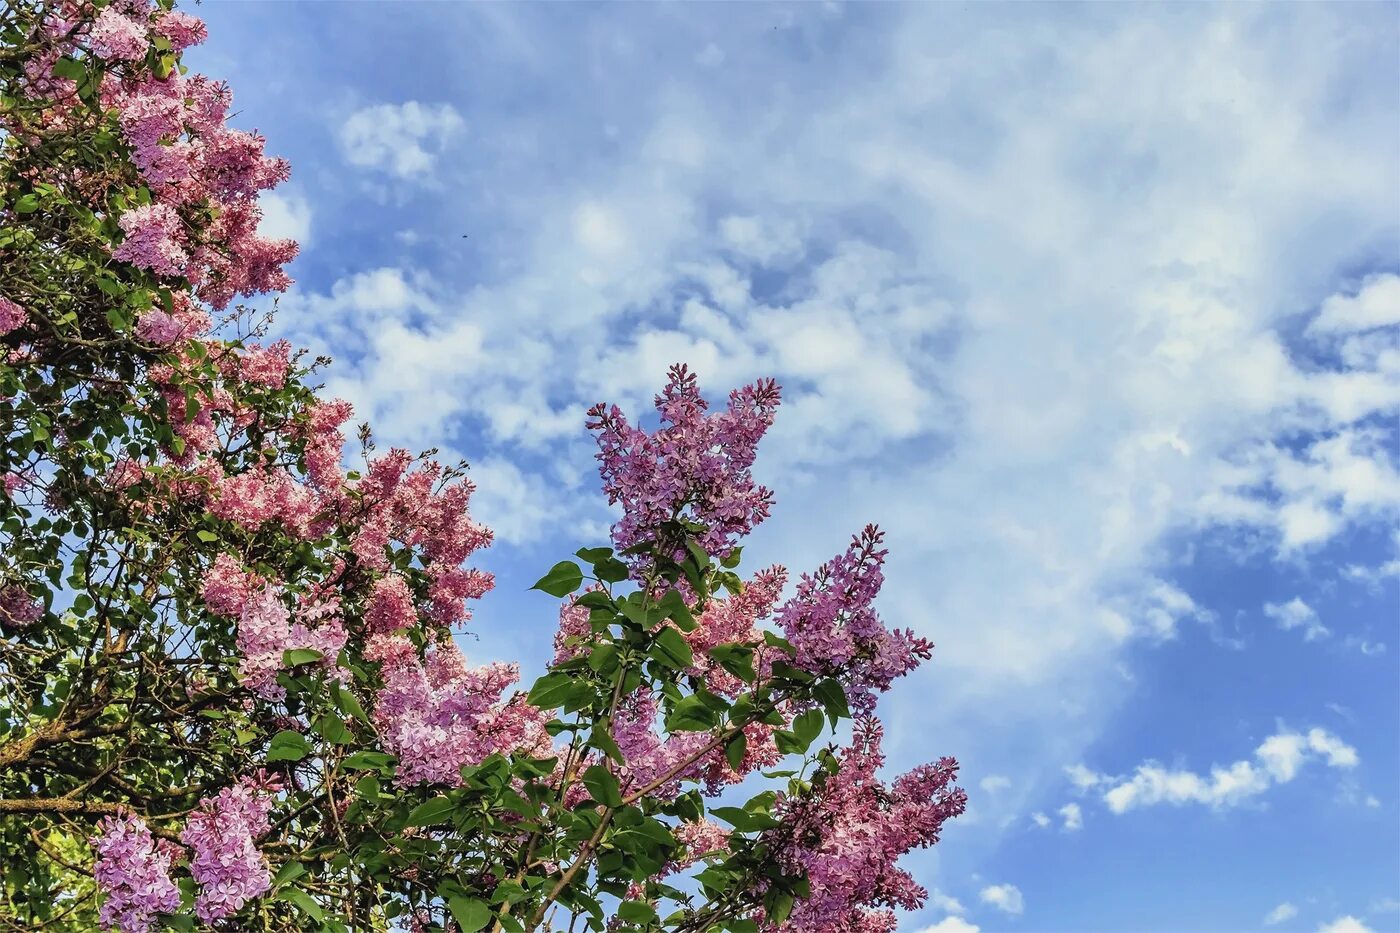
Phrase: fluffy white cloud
(1004, 897)
(1297, 614)
(947, 903)
(1277, 761)
(403, 140)
(1346, 924)
(1040, 819)
(1376, 304)
(1036, 349)
(952, 925)
(285, 215)
(995, 782)
(1284, 911)
(1073, 816)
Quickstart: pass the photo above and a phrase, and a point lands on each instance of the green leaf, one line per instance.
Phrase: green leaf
(69, 68)
(636, 912)
(600, 738)
(297, 656)
(288, 746)
(602, 786)
(745, 821)
(833, 697)
(692, 714)
(563, 578)
(809, 725)
(603, 658)
(345, 702)
(333, 730)
(778, 641)
(367, 761)
(429, 812)
(469, 913)
(27, 204)
(288, 872)
(736, 659)
(550, 691)
(736, 749)
(788, 742)
(672, 650)
(673, 605)
(593, 554)
(304, 903)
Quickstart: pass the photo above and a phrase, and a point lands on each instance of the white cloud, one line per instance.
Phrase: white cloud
(403, 140)
(1346, 924)
(1297, 614)
(1040, 819)
(1073, 817)
(285, 215)
(1004, 897)
(1376, 304)
(946, 903)
(1083, 778)
(1279, 914)
(952, 925)
(1278, 760)
(1039, 349)
(995, 782)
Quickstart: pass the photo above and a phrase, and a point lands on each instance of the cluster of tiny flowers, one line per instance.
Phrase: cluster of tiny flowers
(848, 836)
(267, 628)
(398, 504)
(117, 37)
(159, 328)
(695, 466)
(442, 715)
(18, 608)
(133, 873)
(222, 834)
(12, 316)
(734, 620)
(832, 623)
(176, 128)
(647, 756)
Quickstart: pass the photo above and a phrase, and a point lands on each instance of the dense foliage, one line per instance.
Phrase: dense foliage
(230, 695)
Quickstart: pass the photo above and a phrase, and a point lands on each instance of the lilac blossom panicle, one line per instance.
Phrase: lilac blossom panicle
(833, 625)
(695, 466)
(222, 832)
(12, 316)
(847, 838)
(133, 873)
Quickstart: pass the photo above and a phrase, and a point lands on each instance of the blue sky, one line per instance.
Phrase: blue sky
(1093, 307)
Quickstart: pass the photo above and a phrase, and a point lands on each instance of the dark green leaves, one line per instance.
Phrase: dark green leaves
(672, 650)
(288, 746)
(469, 913)
(602, 786)
(736, 659)
(296, 656)
(430, 812)
(636, 912)
(698, 712)
(550, 691)
(745, 821)
(563, 578)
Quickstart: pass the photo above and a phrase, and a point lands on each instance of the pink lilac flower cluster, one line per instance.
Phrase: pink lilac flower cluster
(403, 505)
(18, 608)
(258, 496)
(159, 328)
(154, 240)
(832, 623)
(222, 834)
(695, 466)
(324, 443)
(12, 316)
(441, 715)
(117, 37)
(132, 871)
(267, 628)
(848, 837)
(180, 141)
(734, 620)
